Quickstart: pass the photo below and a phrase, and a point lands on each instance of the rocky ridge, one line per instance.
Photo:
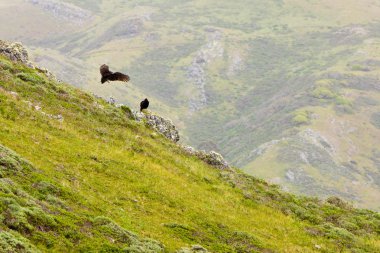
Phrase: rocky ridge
(196, 71)
(65, 11)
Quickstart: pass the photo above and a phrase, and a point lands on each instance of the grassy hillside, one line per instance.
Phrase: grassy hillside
(291, 85)
(77, 174)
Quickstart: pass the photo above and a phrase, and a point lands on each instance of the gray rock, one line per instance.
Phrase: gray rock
(44, 71)
(18, 53)
(196, 72)
(213, 158)
(263, 148)
(160, 124)
(317, 139)
(111, 100)
(236, 64)
(14, 51)
(189, 150)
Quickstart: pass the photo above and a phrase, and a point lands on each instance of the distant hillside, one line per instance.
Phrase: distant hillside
(291, 85)
(78, 174)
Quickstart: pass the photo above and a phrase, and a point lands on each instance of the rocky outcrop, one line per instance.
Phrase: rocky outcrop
(17, 52)
(212, 158)
(263, 148)
(196, 72)
(236, 64)
(160, 124)
(317, 139)
(62, 10)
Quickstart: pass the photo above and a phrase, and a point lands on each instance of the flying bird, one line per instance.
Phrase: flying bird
(107, 75)
(144, 104)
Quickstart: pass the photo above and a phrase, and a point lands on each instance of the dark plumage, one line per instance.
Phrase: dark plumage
(144, 104)
(107, 75)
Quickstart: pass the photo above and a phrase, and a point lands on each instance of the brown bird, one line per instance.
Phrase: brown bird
(107, 75)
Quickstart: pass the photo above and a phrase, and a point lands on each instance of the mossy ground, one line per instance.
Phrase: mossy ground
(95, 175)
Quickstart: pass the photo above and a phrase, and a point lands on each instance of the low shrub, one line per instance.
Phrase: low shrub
(10, 242)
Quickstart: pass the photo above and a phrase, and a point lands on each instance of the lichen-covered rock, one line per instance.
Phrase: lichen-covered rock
(17, 52)
(160, 124)
(213, 158)
(14, 51)
(217, 160)
(190, 150)
(193, 249)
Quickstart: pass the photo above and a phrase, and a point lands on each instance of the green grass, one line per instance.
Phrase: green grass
(83, 183)
(323, 92)
(301, 117)
(291, 55)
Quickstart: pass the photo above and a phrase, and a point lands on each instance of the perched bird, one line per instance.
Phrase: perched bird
(107, 75)
(144, 104)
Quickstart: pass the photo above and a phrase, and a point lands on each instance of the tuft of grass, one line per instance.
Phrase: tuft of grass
(11, 242)
(301, 117)
(32, 78)
(323, 92)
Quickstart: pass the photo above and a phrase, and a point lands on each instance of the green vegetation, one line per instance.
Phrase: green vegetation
(359, 68)
(323, 92)
(343, 105)
(340, 100)
(301, 117)
(230, 73)
(85, 181)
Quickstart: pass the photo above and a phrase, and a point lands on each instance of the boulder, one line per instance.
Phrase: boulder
(14, 51)
(212, 158)
(160, 124)
(17, 52)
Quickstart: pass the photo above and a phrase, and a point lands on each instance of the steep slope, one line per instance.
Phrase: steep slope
(260, 81)
(85, 174)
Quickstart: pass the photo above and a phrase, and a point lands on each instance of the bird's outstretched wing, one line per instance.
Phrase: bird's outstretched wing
(117, 76)
(104, 70)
